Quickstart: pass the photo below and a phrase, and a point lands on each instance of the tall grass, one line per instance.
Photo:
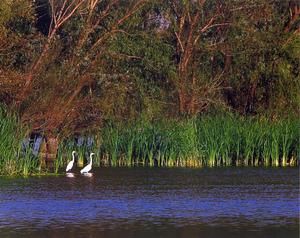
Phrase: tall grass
(230, 139)
(164, 144)
(14, 161)
(220, 140)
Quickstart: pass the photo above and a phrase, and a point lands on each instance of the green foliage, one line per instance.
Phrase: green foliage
(12, 10)
(265, 62)
(16, 32)
(261, 76)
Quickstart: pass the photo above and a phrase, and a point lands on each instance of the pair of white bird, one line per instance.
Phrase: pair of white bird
(86, 169)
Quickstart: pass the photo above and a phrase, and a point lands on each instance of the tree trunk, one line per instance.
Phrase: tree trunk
(182, 101)
(294, 10)
(192, 104)
(51, 150)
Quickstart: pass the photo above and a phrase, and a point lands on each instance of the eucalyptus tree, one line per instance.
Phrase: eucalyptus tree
(57, 90)
(172, 53)
(238, 54)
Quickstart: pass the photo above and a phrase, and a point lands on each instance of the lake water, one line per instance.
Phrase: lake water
(153, 202)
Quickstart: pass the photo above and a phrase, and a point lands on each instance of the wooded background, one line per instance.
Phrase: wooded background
(69, 66)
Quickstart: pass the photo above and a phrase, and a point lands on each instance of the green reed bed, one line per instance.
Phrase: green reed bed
(163, 144)
(13, 160)
(249, 141)
(221, 140)
(211, 140)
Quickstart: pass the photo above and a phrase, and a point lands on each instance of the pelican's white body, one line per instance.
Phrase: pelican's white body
(87, 168)
(71, 163)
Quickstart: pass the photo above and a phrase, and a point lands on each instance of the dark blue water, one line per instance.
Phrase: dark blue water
(153, 202)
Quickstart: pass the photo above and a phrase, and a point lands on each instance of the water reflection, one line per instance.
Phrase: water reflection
(70, 175)
(87, 174)
(221, 202)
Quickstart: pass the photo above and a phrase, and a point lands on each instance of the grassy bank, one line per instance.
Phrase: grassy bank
(220, 140)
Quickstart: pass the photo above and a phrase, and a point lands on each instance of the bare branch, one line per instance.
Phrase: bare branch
(179, 41)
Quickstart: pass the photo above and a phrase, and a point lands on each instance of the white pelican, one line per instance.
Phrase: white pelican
(71, 163)
(87, 168)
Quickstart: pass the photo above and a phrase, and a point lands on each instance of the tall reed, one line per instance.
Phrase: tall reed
(14, 159)
(219, 140)
(211, 140)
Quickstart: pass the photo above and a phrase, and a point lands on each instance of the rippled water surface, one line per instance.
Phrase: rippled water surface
(153, 202)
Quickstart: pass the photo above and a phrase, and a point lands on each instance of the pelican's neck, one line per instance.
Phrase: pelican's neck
(73, 156)
(91, 159)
